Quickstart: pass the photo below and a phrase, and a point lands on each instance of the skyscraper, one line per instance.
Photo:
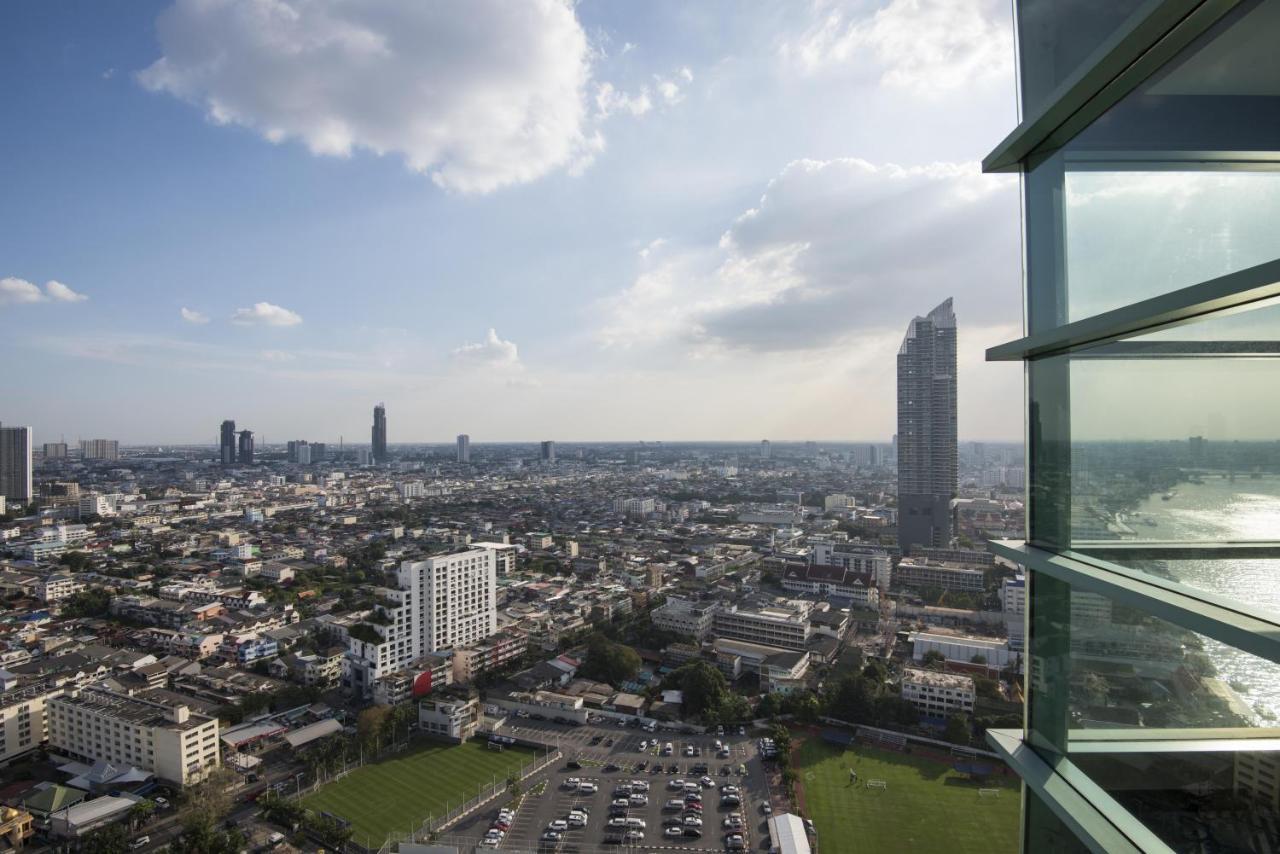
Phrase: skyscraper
(245, 455)
(380, 433)
(15, 463)
(927, 455)
(548, 452)
(766, 449)
(464, 448)
(227, 443)
(55, 450)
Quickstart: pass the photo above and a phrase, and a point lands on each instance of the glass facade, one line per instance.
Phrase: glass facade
(1152, 265)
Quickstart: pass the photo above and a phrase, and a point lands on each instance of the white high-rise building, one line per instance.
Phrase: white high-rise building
(442, 602)
(15, 464)
(464, 448)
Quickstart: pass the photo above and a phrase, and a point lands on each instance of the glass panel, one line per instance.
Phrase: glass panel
(1045, 832)
(1096, 665)
(1196, 801)
(1176, 184)
(1056, 36)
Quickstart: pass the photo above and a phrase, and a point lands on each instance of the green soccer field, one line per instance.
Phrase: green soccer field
(400, 792)
(927, 806)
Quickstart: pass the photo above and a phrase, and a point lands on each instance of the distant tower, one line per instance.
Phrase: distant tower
(548, 452)
(227, 443)
(15, 463)
(927, 452)
(766, 449)
(464, 448)
(245, 455)
(380, 433)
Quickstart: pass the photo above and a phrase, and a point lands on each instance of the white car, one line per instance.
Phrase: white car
(639, 800)
(644, 745)
(673, 831)
(490, 842)
(140, 842)
(577, 821)
(640, 785)
(572, 782)
(634, 836)
(558, 824)
(621, 802)
(708, 783)
(618, 821)
(766, 808)
(588, 788)
(676, 784)
(692, 821)
(728, 789)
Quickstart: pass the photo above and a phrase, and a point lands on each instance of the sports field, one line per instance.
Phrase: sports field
(926, 806)
(401, 791)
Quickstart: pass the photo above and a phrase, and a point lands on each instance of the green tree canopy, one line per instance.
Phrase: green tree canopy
(610, 662)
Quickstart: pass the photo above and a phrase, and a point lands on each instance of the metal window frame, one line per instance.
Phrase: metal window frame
(1151, 36)
(1236, 624)
(1090, 813)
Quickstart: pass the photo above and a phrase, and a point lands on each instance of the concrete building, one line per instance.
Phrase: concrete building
(928, 458)
(961, 648)
(490, 654)
(548, 452)
(859, 557)
(938, 695)
(453, 718)
(23, 723)
(1257, 775)
(15, 464)
(685, 617)
(56, 586)
(443, 602)
(227, 443)
(635, 508)
(464, 448)
(504, 556)
(55, 450)
(170, 741)
(378, 444)
(824, 581)
(921, 573)
(784, 624)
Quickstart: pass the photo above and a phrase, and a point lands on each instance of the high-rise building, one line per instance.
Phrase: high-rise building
(766, 449)
(464, 448)
(1148, 318)
(244, 454)
(227, 443)
(380, 433)
(927, 452)
(442, 602)
(548, 452)
(55, 450)
(15, 464)
(293, 447)
(319, 451)
(99, 449)
(303, 454)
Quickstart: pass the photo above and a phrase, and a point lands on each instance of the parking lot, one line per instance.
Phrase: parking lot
(607, 757)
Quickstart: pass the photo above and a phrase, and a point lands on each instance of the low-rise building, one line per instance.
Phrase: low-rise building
(175, 744)
(685, 617)
(938, 695)
(783, 624)
(918, 572)
(824, 581)
(490, 654)
(452, 718)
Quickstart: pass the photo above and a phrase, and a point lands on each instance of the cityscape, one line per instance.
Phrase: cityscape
(752, 542)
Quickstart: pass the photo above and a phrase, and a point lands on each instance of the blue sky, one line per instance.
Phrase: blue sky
(601, 221)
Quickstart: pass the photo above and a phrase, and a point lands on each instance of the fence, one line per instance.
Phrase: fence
(872, 733)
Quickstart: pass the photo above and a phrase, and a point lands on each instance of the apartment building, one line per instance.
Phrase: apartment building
(489, 654)
(422, 677)
(23, 722)
(57, 586)
(783, 624)
(938, 695)
(442, 602)
(177, 745)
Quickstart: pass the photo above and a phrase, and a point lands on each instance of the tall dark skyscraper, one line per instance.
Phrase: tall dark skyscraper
(227, 443)
(927, 455)
(380, 433)
(15, 465)
(245, 455)
(548, 452)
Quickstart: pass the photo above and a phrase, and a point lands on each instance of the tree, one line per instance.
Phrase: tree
(703, 686)
(75, 561)
(111, 839)
(933, 657)
(513, 785)
(851, 698)
(803, 704)
(332, 832)
(87, 603)
(141, 812)
(978, 658)
(371, 724)
(610, 662)
(957, 731)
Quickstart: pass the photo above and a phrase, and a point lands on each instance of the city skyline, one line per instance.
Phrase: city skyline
(669, 266)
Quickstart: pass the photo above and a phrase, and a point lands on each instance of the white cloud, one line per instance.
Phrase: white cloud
(492, 352)
(193, 316)
(278, 356)
(834, 250)
(478, 94)
(609, 100)
(652, 247)
(925, 46)
(265, 314)
(15, 291)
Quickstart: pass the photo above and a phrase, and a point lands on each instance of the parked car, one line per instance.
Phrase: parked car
(140, 842)
(634, 836)
(558, 824)
(673, 831)
(588, 788)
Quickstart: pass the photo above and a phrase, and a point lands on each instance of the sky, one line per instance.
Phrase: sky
(587, 221)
